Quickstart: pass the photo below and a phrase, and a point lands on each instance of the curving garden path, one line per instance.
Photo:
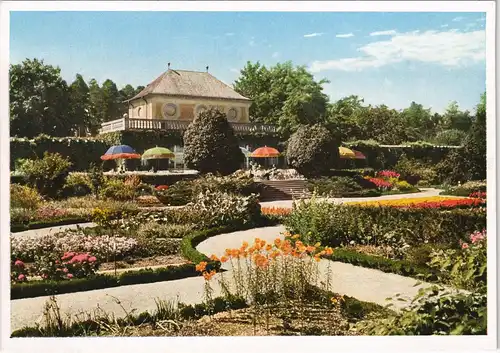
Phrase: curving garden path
(362, 283)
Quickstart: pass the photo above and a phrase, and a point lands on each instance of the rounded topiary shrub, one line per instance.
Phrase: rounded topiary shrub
(313, 151)
(210, 145)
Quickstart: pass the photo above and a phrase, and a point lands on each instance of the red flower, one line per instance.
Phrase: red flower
(380, 183)
(161, 187)
(465, 246)
(19, 263)
(69, 275)
(388, 174)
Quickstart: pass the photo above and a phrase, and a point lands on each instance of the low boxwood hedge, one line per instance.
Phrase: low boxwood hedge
(21, 227)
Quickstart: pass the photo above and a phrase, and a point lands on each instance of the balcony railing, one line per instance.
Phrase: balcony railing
(158, 124)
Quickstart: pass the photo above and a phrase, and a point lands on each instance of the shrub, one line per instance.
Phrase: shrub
(464, 267)
(24, 197)
(117, 189)
(451, 137)
(77, 184)
(405, 186)
(312, 151)
(466, 189)
(47, 175)
(433, 312)
(336, 225)
(210, 145)
(412, 170)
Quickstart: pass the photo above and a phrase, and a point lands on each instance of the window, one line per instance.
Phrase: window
(139, 112)
(232, 114)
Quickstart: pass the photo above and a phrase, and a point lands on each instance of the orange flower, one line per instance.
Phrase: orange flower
(262, 243)
(243, 253)
(317, 258)
(328, 250)
(274, 254)
(228, 252)
(261, 260)
(287, 234)
(298, 243)
(245, 245)
(277, 242)
(208, 275)
(251, 250)
(310, 249)
(201, 266)
(223, 259)
(269, 247)
(214, 258)
(235, 253)
(257, 241)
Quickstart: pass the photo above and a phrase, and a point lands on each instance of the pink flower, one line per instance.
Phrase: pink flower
(69, 275)
(68, 255)
(65, 270)
(44, 276)
(92, 259)
(21, 277)
(19, 263)
(465, 246)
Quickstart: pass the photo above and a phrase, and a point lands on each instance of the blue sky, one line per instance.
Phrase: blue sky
(386, 58)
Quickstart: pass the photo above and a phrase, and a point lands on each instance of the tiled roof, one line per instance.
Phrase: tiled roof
(189, 83)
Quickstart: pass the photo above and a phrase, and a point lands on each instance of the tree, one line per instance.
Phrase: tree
(382, 124)
(79, 97)
(111, 101)
(283, 95)
(475, 144)
(454, 118)
(418, 122)
(343, 118)
(210, 145)
(39, 100)
(452, 137)
(312, 150)
(96, 106)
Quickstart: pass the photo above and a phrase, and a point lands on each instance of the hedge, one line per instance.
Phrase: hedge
(399, 267)
(386, 157)
(21, 227)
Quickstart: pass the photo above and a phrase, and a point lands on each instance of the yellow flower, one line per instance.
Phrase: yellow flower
(296, 236)
(318, 244)
(328, 250)
(334, 300)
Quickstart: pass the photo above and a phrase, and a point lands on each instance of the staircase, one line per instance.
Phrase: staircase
(274, 190)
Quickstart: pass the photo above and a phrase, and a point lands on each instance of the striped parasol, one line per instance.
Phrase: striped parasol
(265, 152)
(120, 152)
(359, 155)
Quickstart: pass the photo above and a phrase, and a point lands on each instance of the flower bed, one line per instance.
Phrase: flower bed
(425, 202)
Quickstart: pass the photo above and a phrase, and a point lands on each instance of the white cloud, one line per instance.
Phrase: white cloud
(448, 48)
(346, 35)
(230, 34)
(313, 35)
(252, 42)
(481, 19)
(234, 70)
(390, 32)
(275, 54)
(458, 19)
(443, 26)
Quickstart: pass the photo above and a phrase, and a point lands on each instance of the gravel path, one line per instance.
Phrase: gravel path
(365, 284)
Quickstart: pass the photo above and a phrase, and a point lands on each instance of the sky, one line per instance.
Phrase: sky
(431, 58)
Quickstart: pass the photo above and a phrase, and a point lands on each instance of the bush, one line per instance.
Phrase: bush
(210, 145)
(412, 171)
(452, 137)
(405, 186)
(464, 267)
(312, 151)
(465, 189)
(336, 225)
(338, 186)
(47, 175)
(433, 312)
(24, 197)
(77, 184)
(117, 189)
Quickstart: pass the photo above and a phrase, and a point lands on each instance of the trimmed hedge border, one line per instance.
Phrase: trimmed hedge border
(399, 267)
(20, 227)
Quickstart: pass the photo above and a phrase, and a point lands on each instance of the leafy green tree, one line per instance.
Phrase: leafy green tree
(79, 97)
(343, 116)
(39, 100)
(475, 143)
(454, 118)
(382, 124)
(452, 137)
(313, 151)
(418, 122)
(96, 105)
(283, 95)
(111, 101)
(210, 145)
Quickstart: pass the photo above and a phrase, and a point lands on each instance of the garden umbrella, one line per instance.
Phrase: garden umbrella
(265, 152)
(358, 155)
(120, 152)
(158, 153)
(346, 153)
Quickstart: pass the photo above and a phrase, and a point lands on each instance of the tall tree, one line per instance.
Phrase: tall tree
(111, 101)
(454, 118)
(418, 122)
(343, 117)
(79, 97)
(283, 95)
(96, 105)
(39, 100)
